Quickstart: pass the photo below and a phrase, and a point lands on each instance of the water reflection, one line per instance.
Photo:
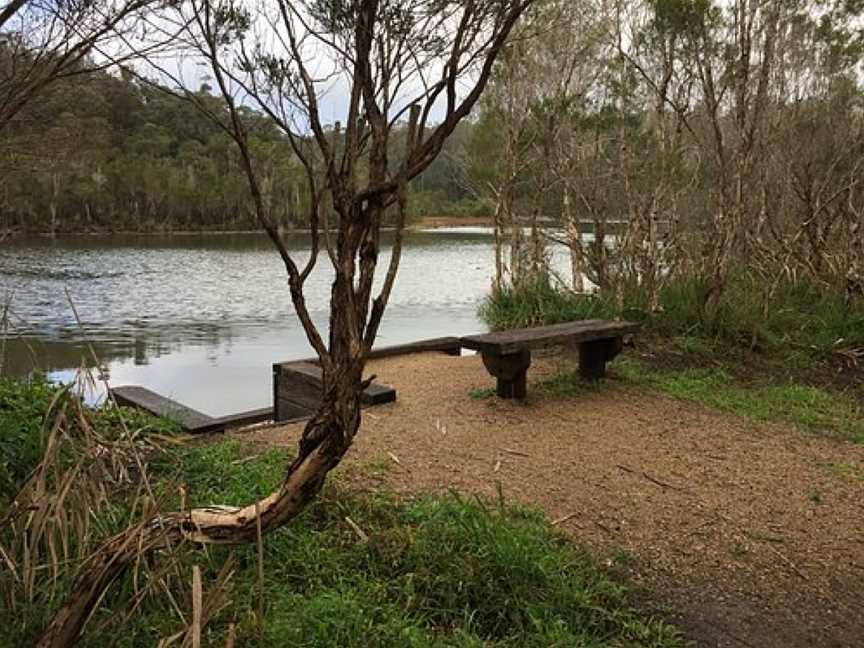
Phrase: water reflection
(201, 318)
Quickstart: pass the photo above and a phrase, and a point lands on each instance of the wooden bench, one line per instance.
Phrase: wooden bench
(507, 354)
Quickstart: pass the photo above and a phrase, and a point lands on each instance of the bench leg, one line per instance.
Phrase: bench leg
(510, 372)
(594, 355)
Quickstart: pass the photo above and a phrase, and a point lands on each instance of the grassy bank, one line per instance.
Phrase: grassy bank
(795, 322)
(30, 410)
(797, 357)
(356, 569)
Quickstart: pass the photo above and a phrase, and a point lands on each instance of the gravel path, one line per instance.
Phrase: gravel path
(753, 535)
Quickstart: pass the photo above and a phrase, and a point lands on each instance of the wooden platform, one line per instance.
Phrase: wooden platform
(447, 345)
(297, 391)
(190, 420)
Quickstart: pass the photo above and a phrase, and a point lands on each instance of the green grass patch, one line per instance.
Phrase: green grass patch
(435, 572)
(810, 408)
(481, 393)
(28, 409)
(846, 470)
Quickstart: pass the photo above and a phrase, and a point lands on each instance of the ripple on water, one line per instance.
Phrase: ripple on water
(202, 318)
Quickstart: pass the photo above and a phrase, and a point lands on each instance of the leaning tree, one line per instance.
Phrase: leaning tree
(409, 72)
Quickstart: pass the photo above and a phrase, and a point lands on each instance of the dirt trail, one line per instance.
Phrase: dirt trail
(753, 535)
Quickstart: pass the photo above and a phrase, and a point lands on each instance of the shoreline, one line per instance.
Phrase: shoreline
(427, 223)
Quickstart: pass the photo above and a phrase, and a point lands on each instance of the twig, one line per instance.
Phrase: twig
(514, 452)
(231, 636)
(603, 527)
(561, 520)
(653, 480)
(497, 466)
(237, 462)
(260, 572)
(356, 529)
(394, 458)
(196, 606)
(661, 483)
(791, 565)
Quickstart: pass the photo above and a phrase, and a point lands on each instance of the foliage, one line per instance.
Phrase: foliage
(794, 319)
(537, 301)
(23, 406)
(72, 476)
(27, 411)
(811, 408)
(104, 153)
(666, 141)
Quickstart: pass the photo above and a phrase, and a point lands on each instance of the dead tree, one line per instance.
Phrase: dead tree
(420, 65)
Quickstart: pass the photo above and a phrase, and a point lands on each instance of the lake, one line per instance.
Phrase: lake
(201, 318)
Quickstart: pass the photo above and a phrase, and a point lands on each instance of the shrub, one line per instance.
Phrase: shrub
(793, 318)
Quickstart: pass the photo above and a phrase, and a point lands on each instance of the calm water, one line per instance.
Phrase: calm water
(201, 318)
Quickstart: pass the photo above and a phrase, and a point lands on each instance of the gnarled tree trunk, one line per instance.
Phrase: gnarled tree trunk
(325, 440)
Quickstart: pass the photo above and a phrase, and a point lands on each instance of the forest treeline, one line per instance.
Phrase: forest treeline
(108, 152)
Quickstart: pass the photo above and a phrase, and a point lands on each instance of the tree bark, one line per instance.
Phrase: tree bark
(574, 242)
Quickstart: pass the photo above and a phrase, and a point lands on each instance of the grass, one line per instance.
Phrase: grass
(811, 408)
(565, 384)
(481, 393)
(797, 321)
(767, 358)
(435, 571)
(27, 411)
(846, 470)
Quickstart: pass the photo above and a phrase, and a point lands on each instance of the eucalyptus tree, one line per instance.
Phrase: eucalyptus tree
(416, 64)
(738, 77)
(42, 41)
(523, 145)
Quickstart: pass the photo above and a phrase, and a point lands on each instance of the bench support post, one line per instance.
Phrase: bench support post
(510, 372)
(594, 355)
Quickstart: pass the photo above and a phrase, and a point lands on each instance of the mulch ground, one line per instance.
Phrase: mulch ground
(743, 534)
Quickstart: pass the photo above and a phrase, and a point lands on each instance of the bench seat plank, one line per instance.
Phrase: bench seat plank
(506, 342)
